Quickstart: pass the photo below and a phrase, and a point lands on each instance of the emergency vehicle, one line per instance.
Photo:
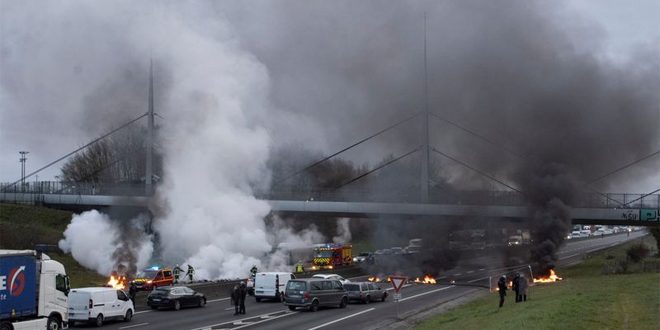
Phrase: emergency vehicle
(153, 277)
(329, 256)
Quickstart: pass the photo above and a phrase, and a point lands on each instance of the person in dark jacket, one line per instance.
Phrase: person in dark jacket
(501, 287)
(243, 292)
(515, 287)
(522, 288)
(132, 290)
(236, 298)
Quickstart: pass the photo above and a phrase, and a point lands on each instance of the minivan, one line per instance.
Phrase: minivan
(312, 293)
(270, 285)
(365, 292)
(96, 305)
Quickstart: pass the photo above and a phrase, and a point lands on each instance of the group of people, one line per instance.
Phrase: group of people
(238, 294)
(177, 273)
(519, 286)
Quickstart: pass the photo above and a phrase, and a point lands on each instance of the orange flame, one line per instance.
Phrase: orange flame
(548, 279)
(373, 279)
(426, 280)
(117, 282)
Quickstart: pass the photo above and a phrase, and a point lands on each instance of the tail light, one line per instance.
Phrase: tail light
(307, 295)
(91, 304)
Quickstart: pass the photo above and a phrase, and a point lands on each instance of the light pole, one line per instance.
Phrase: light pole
(22, 160)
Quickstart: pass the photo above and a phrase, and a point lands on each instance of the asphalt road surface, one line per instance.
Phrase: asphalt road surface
(470, 278)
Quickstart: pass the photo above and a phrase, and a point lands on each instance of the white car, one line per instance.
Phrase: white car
(96, 305)
(332, 277)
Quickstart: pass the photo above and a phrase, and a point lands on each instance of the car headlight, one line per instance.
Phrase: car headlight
(355, 259)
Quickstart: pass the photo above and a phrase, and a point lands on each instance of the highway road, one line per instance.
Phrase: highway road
(470, 278)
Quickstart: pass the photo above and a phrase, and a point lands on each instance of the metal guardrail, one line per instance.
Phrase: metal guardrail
(393, 195)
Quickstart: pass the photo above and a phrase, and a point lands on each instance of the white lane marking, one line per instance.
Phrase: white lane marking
(404, 286)
(341, 319)
(458, 274)
(479, 279)
(230, 308)
(264, 320)
(482, 269)
(134, 325)
(571, 256)
(140, 312)
(425, 293)
(242, 321)
(470, 271)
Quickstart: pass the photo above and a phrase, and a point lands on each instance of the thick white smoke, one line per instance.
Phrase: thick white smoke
(94, 239)
(343, 231)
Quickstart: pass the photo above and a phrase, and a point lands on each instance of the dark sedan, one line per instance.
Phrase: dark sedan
(175, 297)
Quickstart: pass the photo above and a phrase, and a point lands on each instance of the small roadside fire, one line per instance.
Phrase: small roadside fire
(373, 279)
(426, 280)
(117, 282)
(548, 279)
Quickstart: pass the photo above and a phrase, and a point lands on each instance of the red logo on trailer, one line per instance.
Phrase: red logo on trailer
(397, 282)
(17, 281)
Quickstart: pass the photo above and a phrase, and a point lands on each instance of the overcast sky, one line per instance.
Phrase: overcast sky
(624, 25)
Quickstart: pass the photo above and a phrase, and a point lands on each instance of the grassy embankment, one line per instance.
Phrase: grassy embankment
(585, 299)
(23, 226)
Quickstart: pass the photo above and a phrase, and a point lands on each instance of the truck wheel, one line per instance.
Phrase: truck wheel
(177, 305)
(128, 316)
(53, 323)
(292, 308)
(343, 303)
(99, 320)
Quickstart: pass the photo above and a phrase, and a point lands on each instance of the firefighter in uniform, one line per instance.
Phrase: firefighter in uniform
(177, 272)
(299, 267)
(253, 271)
(190, 272)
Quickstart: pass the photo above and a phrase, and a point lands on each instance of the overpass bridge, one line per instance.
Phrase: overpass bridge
(615, 209)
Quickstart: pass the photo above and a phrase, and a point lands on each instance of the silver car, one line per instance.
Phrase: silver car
(312, 293)
(365, 292)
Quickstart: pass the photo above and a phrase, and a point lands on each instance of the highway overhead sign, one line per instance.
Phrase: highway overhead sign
(397, 282)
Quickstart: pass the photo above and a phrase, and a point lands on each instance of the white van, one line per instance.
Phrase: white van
(271, 285)
(95, 305)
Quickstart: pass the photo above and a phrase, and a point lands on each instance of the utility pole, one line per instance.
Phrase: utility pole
(23, 159)
(150, 135)
(424, 177)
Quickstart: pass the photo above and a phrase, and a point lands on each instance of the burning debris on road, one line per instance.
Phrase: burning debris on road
(549, 278)
(117, 282)
(427, 279)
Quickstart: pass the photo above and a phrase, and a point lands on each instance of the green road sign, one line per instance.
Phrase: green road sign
(648, 214)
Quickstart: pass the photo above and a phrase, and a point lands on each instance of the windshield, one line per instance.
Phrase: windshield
(147, 274)
(296, 286)
(324, 254)
(352, 287)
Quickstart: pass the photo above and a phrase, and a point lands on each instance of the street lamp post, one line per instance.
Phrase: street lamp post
(23, 159)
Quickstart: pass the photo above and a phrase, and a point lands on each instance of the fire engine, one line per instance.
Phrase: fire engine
(329, 256)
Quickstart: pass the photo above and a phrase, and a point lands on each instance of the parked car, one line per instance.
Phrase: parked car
(175, 297)
(312, 293)
(96, 305)
(365, 292)
(271, 285)
(364, 257)
(331, 277)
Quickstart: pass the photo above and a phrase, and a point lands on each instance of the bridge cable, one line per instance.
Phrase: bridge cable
(471, 132)
(477, 170)
(586, 185)
(376, 168)
(347, 148)
(75, 151)
(624, 167)
(645, 195)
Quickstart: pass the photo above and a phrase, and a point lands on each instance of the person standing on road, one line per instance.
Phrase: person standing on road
(243, 292)
(177, 272)
(132, 290)
(501, 287)
(515, 287)
(190, 272)
(522, 287)
(235, 298)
